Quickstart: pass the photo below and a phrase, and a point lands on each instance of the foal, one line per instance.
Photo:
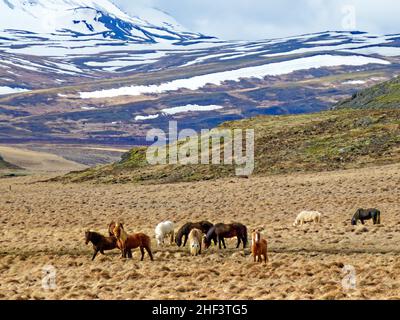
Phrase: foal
(258, 247)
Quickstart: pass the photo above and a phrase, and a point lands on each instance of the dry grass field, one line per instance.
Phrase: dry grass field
(43, 224)
(34, 161)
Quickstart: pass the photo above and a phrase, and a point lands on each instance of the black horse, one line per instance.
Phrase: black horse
(184, 231)
(368, 214)
(220, 231)
(102, 243)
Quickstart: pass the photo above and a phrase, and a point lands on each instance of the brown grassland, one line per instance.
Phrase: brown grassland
(43, 224)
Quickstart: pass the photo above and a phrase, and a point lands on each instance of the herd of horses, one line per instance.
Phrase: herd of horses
(201, 233)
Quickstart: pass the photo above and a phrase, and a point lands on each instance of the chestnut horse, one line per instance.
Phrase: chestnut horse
(258, 246)
(132, 241)
(220, 231)
(101, 243)
(184, 231)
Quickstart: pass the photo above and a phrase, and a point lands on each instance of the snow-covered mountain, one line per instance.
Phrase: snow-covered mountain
(97, 19)
(87, 70)
(53, 42)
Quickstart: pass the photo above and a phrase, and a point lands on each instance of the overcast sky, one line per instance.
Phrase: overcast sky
(261, 19)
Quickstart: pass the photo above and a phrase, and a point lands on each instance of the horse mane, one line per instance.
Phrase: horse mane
(123, 235)
(210, 233)
(183, 229)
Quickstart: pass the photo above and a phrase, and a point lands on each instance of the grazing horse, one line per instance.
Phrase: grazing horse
(100, 242)
(362, 215)
(128, 242)
(184, 231)
(258, 246)
(164, 229)
(307, 216)
(195, 239)
(221, 231)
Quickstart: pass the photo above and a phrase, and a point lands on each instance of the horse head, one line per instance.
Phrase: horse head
(208, 237)
(118, 229)
(111, 227)
(207, 242)
(88, 236)
(256, 236)
(178, 241)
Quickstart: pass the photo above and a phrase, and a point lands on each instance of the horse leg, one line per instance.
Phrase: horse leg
(142, 252)
(223, 242)
(149, 252)
(172, 237)
(129, 253)
(238, 242)
(95, 254)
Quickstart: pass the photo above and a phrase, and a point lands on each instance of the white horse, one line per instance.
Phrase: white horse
(164, 229)
(307, 216)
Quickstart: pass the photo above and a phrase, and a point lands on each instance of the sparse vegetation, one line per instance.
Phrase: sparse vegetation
(305, 262)
(383, 95)
(339, 139)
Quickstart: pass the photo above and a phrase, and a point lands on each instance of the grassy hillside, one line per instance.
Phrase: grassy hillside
(384, 95)
(338, 139)
(4, 165)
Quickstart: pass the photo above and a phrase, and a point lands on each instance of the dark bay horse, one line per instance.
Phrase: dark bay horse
(101, 243)
(368, 214)
(184, 231)
(220, 231)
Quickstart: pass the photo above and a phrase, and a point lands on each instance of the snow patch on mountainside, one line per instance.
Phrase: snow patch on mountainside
(9, 90)
(272, 69)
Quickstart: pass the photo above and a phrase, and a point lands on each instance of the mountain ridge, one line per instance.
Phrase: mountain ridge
(383, 95)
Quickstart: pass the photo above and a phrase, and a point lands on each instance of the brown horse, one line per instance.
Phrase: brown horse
(220, 231)
(184, 231)
(258, 246)
(128, 242)
(102, 243)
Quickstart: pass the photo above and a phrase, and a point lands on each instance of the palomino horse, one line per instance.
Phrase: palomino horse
(220, 231)
(128, 242)
(184, 231)
(258, 246)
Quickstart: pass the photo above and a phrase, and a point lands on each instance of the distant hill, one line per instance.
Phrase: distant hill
(5, 165)
(383, 95)
(325, 141)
